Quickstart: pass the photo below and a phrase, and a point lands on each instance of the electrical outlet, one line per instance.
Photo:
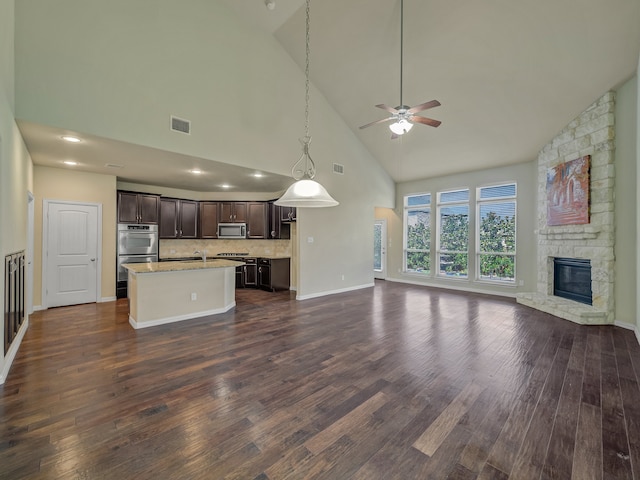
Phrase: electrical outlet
(172, 251)
(342, 277)
(521, 283)
(194, 296)
(309, 239)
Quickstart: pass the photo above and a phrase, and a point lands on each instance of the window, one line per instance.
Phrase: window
(417, 234)
(453, 233)
(496, 238)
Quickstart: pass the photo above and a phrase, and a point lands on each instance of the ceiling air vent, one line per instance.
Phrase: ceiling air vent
(113, 165)
(180, 125)
(339, 169)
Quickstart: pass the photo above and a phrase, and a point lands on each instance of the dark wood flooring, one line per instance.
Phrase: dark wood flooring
(392, 382)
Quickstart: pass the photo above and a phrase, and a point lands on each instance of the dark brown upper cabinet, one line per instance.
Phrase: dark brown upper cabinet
(178, 218)
(209, 215)
(233, 212)
(257, 220)
(138, 207)
(287, 214)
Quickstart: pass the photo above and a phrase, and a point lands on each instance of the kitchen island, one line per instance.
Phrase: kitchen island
(168, 292)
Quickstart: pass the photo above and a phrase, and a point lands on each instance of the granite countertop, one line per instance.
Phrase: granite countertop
(186, 259)
(154, 267)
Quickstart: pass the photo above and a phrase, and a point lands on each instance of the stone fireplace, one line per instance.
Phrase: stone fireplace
(591, 133)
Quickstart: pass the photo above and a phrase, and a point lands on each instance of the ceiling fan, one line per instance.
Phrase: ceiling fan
(404, 116)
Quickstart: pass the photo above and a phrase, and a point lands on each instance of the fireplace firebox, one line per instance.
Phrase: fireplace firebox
(572, 279)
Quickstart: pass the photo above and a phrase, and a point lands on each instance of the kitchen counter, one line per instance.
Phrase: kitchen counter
(179, 265)
(166, 292)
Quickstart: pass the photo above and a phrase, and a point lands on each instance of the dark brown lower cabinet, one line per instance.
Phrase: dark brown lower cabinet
(274, 274)
(249, 273)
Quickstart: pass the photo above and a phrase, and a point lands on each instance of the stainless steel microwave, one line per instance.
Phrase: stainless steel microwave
(232, 230)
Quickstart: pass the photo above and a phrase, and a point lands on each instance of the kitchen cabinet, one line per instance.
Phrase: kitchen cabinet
(209, 217)
(257, 220)
(138, 207)
(178, 218)
(233, 212)
(288, 214)
(277, 229)
(274, 274)
(250, 273)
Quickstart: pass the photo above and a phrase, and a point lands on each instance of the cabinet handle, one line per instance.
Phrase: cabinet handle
(260, 269)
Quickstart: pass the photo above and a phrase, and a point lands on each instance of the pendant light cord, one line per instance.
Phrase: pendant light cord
(401, 46)
(306, 75)
(305, 167)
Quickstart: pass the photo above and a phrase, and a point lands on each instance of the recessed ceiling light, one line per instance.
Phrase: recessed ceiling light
(70, 138)
(196, 171)
(258, 175)
(70, 162)
(224, 185)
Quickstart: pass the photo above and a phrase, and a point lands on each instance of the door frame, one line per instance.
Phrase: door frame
(383, 258)
(30, 252)
(45, 245)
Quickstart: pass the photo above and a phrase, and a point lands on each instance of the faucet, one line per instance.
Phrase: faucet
(202, 253)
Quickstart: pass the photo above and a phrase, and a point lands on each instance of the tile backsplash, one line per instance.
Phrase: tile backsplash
(257, 248)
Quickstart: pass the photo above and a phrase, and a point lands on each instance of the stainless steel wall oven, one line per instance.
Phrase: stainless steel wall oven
(137, 243)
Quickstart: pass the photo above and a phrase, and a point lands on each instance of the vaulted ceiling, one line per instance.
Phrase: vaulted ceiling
(509, 75)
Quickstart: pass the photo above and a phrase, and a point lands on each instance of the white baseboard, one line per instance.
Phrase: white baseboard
(178, 318)
(628, 326)
(13, 350)
(107, 299)
(38, 308)
(333, 292)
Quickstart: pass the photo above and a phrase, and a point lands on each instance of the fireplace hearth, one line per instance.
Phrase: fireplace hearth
(572, 279)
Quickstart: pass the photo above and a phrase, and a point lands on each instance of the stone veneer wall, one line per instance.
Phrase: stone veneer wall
(591, 133)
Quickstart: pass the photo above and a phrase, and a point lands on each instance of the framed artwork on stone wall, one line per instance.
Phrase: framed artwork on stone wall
(568, 192)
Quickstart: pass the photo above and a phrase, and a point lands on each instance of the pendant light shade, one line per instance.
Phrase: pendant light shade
(306, 192)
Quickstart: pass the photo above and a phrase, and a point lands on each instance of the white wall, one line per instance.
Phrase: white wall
(638, 209)
(626, 202)
(119, 69)
(15, 167)
(525, 175)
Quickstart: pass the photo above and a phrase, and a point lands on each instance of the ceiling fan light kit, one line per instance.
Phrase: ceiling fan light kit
(404, 117)
(401, 127)
(306, 192)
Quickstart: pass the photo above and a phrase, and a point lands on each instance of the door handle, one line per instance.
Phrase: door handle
(93, 259)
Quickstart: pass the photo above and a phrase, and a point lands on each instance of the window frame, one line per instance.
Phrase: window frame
(489, 201)
(438, 250)
(405, 234)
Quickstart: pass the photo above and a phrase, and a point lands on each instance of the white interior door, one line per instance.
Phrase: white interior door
(72, 233)
(380, 249)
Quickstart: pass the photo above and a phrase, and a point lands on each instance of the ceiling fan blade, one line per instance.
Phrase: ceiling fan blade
(394, 136)
(376, 122)
(423, 106)
(387, 108)
(424, 120)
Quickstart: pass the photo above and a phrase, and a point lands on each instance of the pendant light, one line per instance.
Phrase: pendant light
(306, 192)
